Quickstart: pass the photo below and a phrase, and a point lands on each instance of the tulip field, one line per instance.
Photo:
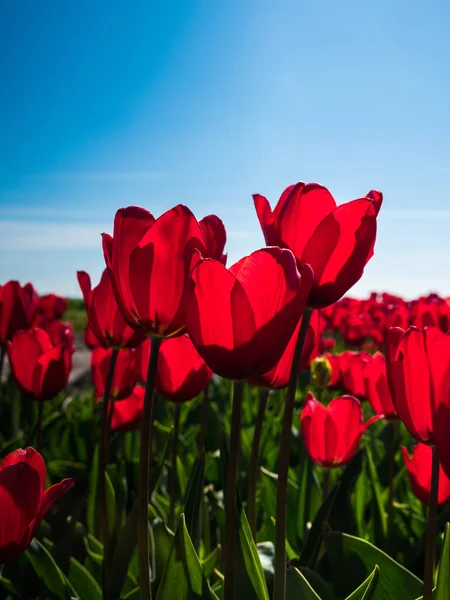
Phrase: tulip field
(245, 432)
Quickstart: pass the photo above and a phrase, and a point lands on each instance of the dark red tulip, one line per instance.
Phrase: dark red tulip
(52, 306)
(419, 473)
(278, 377)
(125, 372)
(105, 320)
(377, 388)
(39, 368)
(149, 262)
(418, 373)
(332, 434)
(24, 500)
(241, 319)
(16, 310)
(60, 332)
(127, 413)
(337, 241)
(215, 237)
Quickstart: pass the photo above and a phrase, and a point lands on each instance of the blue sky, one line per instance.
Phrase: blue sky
(201, 102)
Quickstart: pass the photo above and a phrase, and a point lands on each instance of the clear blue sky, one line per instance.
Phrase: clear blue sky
(107, 104)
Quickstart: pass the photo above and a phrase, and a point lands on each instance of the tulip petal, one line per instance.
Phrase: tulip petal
(215, 236)
(266, 220)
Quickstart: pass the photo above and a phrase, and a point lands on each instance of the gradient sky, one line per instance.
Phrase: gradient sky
(107, 104)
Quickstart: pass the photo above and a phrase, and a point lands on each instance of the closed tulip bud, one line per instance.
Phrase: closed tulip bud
(332, 434)
(24, 500)
(320, 372)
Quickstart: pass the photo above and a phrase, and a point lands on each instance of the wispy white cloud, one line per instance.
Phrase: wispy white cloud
(410, 213)
(106, 175)
(18, 235)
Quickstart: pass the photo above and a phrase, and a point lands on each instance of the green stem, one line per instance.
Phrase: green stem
(325, 484)
(254, 460)
(231, 516)
(40, 414)
(173, 466)
(392, 448)
(144, 472)
(102, 462)
(431, 531)
(204, 421)
(283, 464)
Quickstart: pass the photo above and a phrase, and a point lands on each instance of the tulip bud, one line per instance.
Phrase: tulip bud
(321, 372)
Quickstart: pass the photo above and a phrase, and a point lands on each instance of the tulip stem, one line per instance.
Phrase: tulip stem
(40, 414)
(231, 516)
(102, 505)
(173, 466)
(283, 464)
(391, 466)
(431, 531)
(325, 483)
(204, 421)
(254, 456)
(144, 472)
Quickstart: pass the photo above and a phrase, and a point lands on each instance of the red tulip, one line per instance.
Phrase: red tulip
(419, 473)
(52, 306)
(105, 320)
(127, 413)
(90, 340)
(23, 500)
(339, 364)
(40, 368)
(332, 434)
(125, 372)
(241, 319)
(181, 374)
(337, 241)
(16, 310)
(353, 374)
(60, 332)
(418, 373)
(215, 237)
(149, 262)
(278, 377)
(377, 388)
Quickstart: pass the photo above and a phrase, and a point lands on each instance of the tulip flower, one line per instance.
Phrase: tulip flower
(149, 261)
(127, 413)
(353, 381)
(16, 310)
(125, 372)
(332, 434)
(182, 373)
(377, 388)
(337, 241)
(40, 368)
(339, 364)
(52, 306)
(90, 340)
(278, 377)
(241, 319)
(104, 318)
(419, 473)
(23, 500)
(60, 332)
(418, 374)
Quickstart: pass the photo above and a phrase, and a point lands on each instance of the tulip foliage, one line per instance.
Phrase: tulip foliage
(243, 431)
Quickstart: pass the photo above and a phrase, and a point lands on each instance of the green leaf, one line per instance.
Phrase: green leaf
(377, 492)
(298, 587)
(366, 590)
(211, 561)
(250, 581)
(46, 569)
(126, 543)
(313, 541)
(83, 582)
(353, 559)
(443, 582)
(183, 577)
(92, 520)
(194, 495)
